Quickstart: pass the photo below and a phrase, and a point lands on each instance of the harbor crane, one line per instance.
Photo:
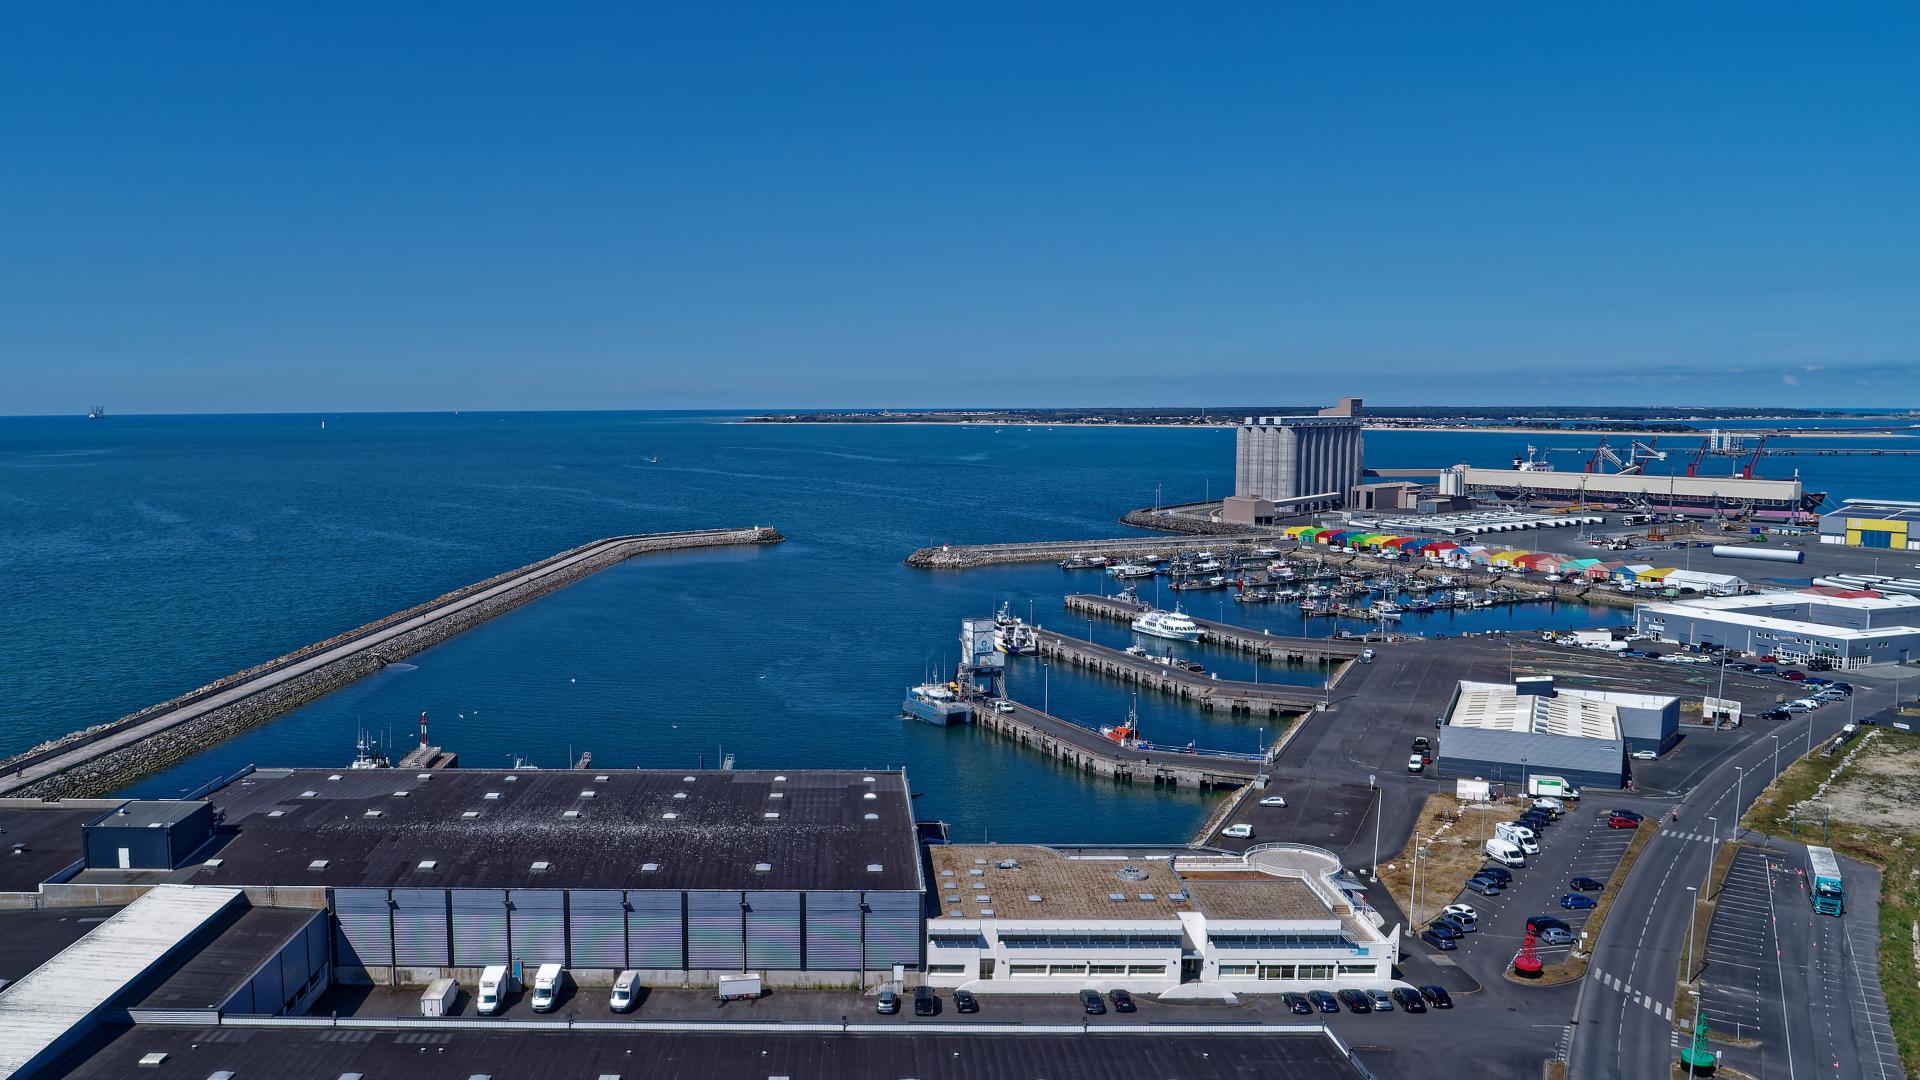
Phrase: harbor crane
(1693, 467)
(1638, 454)
(1746, 471)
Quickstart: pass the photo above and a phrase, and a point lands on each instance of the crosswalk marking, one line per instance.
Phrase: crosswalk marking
(1644, 1000)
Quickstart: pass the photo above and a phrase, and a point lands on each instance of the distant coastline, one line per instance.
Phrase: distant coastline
(1625, 427)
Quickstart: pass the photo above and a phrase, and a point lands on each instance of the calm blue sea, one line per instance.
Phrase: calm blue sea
(144, 556)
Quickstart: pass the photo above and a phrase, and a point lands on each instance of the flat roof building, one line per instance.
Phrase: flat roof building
(1504, 732)
(805, 876)
(1873, 523)
(1848, 630)
(1014, 919)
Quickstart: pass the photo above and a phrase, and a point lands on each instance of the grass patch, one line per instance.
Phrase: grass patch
(1871, 838)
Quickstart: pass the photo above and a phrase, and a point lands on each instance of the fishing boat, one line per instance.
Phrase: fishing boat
(1016, 639)
(1128, 595)
(1385, 609)
(368, 755)
(1253, 596)
(938, 704)
(1131, 571)
(1083, 562)
(1168, 624)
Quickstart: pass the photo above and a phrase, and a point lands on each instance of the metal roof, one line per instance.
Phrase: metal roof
(564, 829)
(147, 813)
(67, 991)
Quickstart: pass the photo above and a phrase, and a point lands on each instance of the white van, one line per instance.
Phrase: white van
(493, 990)
(1238, 832)
(1505, 852)
(546, 987)
(625, 987)
(1519, 836)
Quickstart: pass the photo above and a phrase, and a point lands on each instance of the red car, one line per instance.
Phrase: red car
(1796, 676)
(1618, 822)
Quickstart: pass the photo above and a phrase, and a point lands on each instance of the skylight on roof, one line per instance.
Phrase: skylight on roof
(874, 867)
(469, 813)
(540, 866)
(569, 813)
(762, 867)
(426, 864)
(317, 864)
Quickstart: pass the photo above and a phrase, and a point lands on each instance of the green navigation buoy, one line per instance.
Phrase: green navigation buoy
(1697, 1058)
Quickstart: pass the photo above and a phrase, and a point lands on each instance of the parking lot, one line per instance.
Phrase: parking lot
(1579, 844)
(1804, 985)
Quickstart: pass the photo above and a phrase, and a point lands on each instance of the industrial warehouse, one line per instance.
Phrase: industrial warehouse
(1844, 628)
(1503, 733)
(1873, 523)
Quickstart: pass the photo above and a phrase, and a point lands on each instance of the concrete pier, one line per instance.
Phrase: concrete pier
(1267, 646)
(104, 758)
(1212, 694)
(965, 556)
(1089, 751)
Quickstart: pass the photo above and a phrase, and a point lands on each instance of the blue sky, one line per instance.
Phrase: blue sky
(240, 207)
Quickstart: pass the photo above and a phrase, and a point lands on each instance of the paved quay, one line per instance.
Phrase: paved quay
(1229, 636)
(112, 755)
(1200, 689)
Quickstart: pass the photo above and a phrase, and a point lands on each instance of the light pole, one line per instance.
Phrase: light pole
(1046, 690)
(1716, 850)
(1739, 804)
(1374, 783)
(1692, 918)
(1776, 751)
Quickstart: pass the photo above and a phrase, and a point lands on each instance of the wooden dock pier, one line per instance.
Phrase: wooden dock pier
(1268, 699)
(1225, 635)
(1091, 752)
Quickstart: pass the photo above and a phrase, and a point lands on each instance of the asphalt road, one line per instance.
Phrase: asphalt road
(1623, 1025)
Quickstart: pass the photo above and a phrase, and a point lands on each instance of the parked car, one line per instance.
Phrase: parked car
(1795, 676)
(1409, 999)
(1644, 755)
(1578, 901)
(1483, 887)
(1621, 811)
(1498, 873)
(1298, 1003)
(1416, 763)
(1242, 831)
(1458, 926)
(1438, 940)
(1537, 923)
(1458, 911)
(1091, 1003)
(1122, 1001)
(1619, 822)
(1324, 1001)
(1422, 744)
(1437, 996)
(1382, 1001)
(965, 1002)
(1586, 884)
(1443, 931)
(925, 1001)
(1555, 935)
(887, 1003)
(1355, 1001)
(1274, 800)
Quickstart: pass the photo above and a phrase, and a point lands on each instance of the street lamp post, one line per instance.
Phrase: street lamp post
(1739, 804)
(1374, 783)
(1776, 752)
(1692, 918)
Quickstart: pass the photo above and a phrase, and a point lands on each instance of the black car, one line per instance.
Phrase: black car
(1438, 941)
(964, 1001)
(1634, 814)
(1448, 922)
(1298, 1003)
(1537, 923)
(1437, 996)
(1355, 1001)
(1090, 1001)
(1538, 815)
(1324, 1001)
(1446, 930)
(1409, 999)
(1587, 884)
(1498, 873)
(925, 1001)
(1122, 1001)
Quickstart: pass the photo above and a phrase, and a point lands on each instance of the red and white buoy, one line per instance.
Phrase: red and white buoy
(423, 729)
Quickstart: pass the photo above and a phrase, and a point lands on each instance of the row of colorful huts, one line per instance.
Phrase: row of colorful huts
(1468, 556)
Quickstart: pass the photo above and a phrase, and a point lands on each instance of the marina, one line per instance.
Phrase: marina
(1225, 635)
(1128, 760)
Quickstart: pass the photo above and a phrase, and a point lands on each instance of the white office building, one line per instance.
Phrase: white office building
(1022, 919)
(1849, 629)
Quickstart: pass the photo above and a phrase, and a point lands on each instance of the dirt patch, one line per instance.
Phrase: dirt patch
(1454, 835)
(1881, 790)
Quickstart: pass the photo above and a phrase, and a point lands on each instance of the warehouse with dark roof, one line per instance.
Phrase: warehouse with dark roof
(810, 878)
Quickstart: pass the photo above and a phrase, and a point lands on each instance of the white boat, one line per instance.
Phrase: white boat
(1168, 624)
(1016, 639)
(937, 704)
(1130, 571)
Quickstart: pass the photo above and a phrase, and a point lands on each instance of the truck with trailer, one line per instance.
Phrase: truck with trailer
(1823, 882)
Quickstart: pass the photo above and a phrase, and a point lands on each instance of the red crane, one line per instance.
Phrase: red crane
(1746, 473)
(1593, 463)
(1693, 467)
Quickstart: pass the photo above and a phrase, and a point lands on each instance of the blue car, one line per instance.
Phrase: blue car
(1578, 900)
(1444, 944)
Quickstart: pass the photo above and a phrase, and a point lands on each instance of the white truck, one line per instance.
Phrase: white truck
(1505, 852)
(495, 985)
(438, 998)
(546, 987)
(740, 987)
(1554, 786)
(626, 989)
